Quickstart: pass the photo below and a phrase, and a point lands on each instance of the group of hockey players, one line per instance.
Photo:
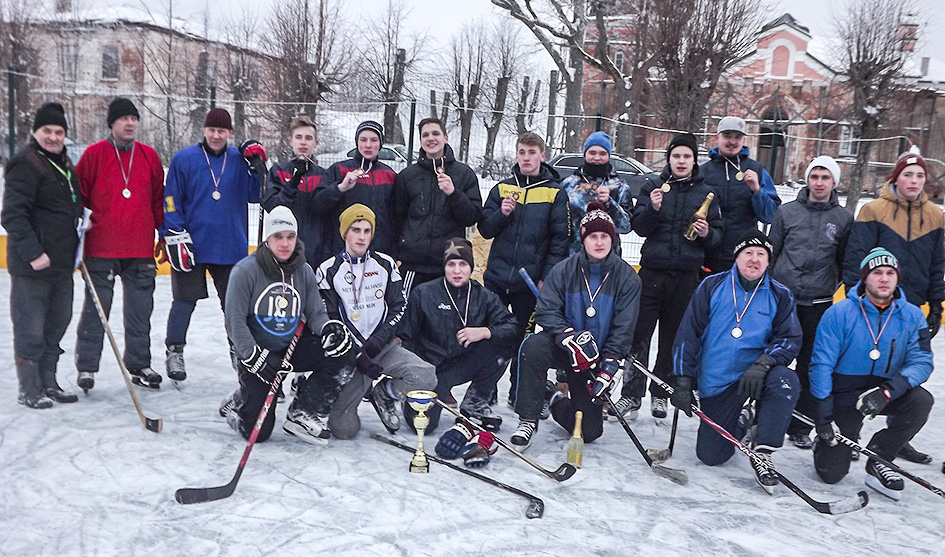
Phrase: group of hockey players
(365, 275)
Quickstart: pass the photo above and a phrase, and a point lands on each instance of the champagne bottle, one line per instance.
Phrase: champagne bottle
(576, 443)
(702, 213)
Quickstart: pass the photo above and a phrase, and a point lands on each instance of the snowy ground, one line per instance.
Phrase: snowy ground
(88, 479)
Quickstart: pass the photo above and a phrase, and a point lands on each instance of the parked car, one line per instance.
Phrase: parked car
(392, 154)
(631, 170)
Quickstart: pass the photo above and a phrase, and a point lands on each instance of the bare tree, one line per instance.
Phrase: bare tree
(506, 60)
(467, 74)
(242, 72)
(18, 52)
(872, 59)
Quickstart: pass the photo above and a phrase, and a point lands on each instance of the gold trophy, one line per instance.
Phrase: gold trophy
(421, 401)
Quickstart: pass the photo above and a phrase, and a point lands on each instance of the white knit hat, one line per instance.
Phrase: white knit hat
(280, 219)
(823, 161)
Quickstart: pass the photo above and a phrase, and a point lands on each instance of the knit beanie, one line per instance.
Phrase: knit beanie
(823, 161)
(280, 219)
(904, 160)
(459, 248)
(685, 140)
(596, 219)
(50, 114)
(121, 107)
(600, 139)
(878, 257)
(355, 213)
(218, 118)
(369, 125)
(753, 237)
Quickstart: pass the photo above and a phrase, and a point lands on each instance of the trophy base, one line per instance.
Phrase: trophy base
(420, 465)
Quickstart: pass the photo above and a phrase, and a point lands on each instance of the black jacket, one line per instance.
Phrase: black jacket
(665, 247)
(535, 236)
(41, 211)
(315, 226)
(427, 217)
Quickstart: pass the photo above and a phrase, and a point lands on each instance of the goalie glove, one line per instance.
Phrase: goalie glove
(180, 250)
(581, 348)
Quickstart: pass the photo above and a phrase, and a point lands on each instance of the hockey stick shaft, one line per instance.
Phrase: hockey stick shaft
(260, 168)
(528, 281)
(671, 474)
(662, 455)
(536, 506)
(189, 495)
(151, 424)
(868, 452)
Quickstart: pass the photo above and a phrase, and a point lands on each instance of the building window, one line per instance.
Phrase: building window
(797, 91)
(849, 142)
(618, 60)
(110, 63)
(68, 53)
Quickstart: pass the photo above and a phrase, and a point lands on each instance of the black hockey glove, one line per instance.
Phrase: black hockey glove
(336, 340)
(682, 394)
(873, 401)
(581, 348)
(605, 376)
(180, 250)
(372, 347)
(265, 364)
(299, 168)
(753, 380)
(935, 318)
(827, 433)
(368, 367)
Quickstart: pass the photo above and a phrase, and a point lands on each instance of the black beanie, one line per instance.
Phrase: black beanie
(369, 125)
(686, 140)
(459, 248)
(50, 114)
(121, 107)
(753, 237)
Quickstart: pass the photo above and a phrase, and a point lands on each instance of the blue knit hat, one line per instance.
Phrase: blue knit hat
(600, 139)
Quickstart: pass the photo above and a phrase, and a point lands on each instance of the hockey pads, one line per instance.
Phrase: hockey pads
(265, 364)
(454, 439)
(873, 401)
(609, 369)
(479, 450)
(180, 250)
(581, 348)
(251, 149)
(752, 381)
(682, 394)
(336, 340)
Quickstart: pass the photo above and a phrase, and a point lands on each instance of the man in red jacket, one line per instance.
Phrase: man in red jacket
(122, 183)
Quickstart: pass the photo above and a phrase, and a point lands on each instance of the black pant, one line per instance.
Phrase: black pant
(137, 283)
(523, 308)
(41, 309)
(664, 298)
(911, 411)
(186, 289)
(809, 317)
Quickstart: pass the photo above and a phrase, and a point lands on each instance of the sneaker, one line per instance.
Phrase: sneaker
(228, 403)
(764, 470)
(174, 362)
(385, 405)
(476, 408)
(86, 380)
(884, 479)
(626, 406)
(909, 453)
(746, 421)
(522, 437)
(307, 426)
(146, 377)
(658, 407)
(801, 440)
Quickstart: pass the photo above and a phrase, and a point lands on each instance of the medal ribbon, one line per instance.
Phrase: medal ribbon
(462, 318)
(131, 160)
(356, 292)
(588, 286)
(738, 317)
(875, 337)
(738, 166)
(216, 180)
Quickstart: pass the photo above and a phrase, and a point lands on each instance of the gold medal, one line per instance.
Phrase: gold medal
(516, 194)
(355, 315)
(440, 170)
(739, 175)
(666, 187)
(281, 302)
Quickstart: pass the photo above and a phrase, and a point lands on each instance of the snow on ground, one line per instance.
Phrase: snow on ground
(87, 479)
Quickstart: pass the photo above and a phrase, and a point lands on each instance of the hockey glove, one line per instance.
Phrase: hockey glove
(336, 340)
(682, 394)
(479, 450)
(753, 380)
(180, 250)
(372, 347)
(935, 318)
(454, 439)
(827, 433)
(265, 364)
(251, 149)
(873, 401)
(299, 168)
(368, 367)
(605, 376)
(581, 348)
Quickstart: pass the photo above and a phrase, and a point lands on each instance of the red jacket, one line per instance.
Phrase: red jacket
(121, 226)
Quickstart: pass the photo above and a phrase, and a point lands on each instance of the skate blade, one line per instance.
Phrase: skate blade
(138, 381)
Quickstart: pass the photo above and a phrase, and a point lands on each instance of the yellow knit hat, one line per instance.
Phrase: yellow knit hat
(355, 213)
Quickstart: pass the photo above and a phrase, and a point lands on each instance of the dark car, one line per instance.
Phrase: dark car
(631, 170)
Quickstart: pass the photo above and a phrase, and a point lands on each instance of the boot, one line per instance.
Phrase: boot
(174, 362)
(52, 389)
(31, 393)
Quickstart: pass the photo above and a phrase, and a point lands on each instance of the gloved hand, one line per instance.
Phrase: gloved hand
(753, 380)
(180, 250)
(682, 393)
(827, 432)
(251, 149)
(873, 401)
(372, 347)
(479, 450)
(454, 439)
(160, 251)
(265, 364)
(368, 367)
(605, 376)
(581, 348)
(935, 318)
(336, 340)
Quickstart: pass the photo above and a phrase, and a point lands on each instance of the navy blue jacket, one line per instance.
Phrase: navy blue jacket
(315, 227)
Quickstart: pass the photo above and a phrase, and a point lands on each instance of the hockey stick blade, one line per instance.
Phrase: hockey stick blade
(672, 474)
(191, 495)
(536, 507)
(563, 472)
(660, 456)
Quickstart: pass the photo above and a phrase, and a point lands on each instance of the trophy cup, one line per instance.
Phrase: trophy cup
(421, 401)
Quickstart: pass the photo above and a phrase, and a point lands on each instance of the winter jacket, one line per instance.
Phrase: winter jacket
(912, 231)
(427, 217)
(581, 189)
(705, 348)
(841, 368)
(315, 225)
(564, 300)
(534, 236)
(666, 247)
(809, 241)
(218, 227)
(121, 226)
(375, 189)
(263, 306)
(432, 319)
(42, 207)
(741, 210)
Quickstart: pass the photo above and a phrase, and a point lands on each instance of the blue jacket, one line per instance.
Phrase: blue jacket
(841, 368)
(705, 348)
(581, 189)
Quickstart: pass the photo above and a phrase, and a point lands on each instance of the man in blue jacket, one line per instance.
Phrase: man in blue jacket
(871, 356)
(738, 336)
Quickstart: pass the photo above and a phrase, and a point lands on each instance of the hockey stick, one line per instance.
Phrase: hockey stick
(536, 507)
(672, 474)
(151, 424)
(189, 495)
(563, 472)
(662, 455)
(832, 507)
(856, 447)
(528, 281)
